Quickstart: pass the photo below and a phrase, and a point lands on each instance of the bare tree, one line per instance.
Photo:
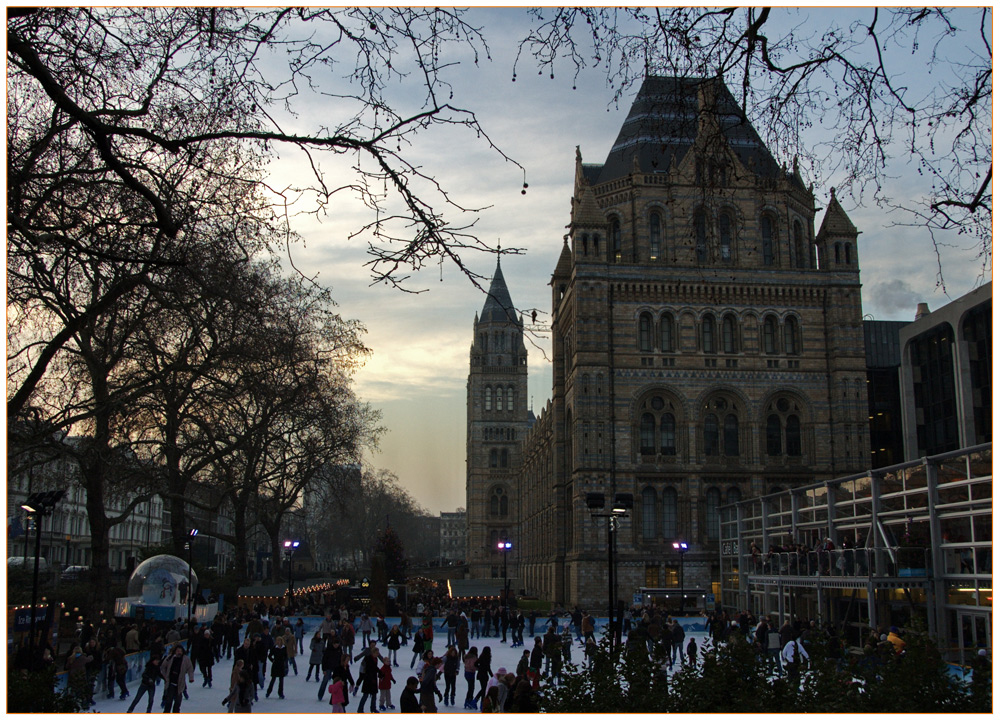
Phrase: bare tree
(284, 410)
(794, 70)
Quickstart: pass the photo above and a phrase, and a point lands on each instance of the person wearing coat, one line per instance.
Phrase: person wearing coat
(291, 648)
(147, 684)
(279, 667)
(177, 670)
(368, 676)
(408, 702)
(248, 655)
(316, 646)
(204, 654)
(76, 664)
(393, 643)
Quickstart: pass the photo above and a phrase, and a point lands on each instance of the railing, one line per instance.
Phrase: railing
(850, 562)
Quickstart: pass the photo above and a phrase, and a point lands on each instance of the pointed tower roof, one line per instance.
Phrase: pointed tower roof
(565, 261)
(835, 221)
(498, 306)
(585, 211)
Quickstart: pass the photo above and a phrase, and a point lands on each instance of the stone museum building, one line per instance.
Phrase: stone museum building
(707, 347)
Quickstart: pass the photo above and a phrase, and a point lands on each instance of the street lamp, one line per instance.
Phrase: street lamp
(290, 547)
(189, 547)
(37, 505)
(504, 548)
(681, 547)
(620, 506)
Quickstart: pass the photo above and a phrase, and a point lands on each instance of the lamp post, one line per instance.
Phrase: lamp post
(290, 547)
(620, 507)
(504, 548)
(37, 505)
(681, 547)
(189, 547)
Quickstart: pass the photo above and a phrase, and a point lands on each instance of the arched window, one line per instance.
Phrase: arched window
(767, 239)
(647, 431)
(836, 253)
(488, 398)
(791, 336)
(510, 399)
(670, 513)
(770, 335)
(655, 235)
(793, 436)
(499, 399)
(648, 513)
(731, 435)
(583, 242)
(773, 435)
(494, 458)
(729, 344)
(725, 237)
(498, 502)
(847, 253)
(712, 502)
(668, 433)
(800, 248)
(711, 435)
(646, 332)
(708, 333)
(616, 240)
(666, 333)
(700, 238)
(733, 495)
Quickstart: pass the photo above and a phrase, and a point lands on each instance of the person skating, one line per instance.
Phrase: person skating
(316, 646)
(147, 684)
(177, 671)
(279, 667)
(368, 677)
(385, 682)
(484, 672)
(408, 702)
(470, 661)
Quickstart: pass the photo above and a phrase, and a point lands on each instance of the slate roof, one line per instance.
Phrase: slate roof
(498, 307)
(662, 126)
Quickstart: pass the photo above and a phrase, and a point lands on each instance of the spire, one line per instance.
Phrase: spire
(835, 221)
(498, 306)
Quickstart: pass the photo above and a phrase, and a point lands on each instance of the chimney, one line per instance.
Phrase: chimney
(922, 310)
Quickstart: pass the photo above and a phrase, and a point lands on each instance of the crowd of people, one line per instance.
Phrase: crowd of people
(354, 655)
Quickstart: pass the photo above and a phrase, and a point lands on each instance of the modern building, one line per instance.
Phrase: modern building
(707, 347)
(885, 409)
(890, 546)
(947, 373)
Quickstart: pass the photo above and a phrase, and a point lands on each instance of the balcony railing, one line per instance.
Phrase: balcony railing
(850, 562)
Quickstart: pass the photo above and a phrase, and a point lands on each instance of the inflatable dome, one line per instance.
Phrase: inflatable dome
(161, 581)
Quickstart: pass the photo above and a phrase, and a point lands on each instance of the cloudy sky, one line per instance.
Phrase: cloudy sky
(417, 373)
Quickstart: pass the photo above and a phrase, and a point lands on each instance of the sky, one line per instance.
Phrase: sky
(416, 374)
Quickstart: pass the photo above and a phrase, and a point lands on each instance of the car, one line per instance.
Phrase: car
(72, 573)
(27, 564)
